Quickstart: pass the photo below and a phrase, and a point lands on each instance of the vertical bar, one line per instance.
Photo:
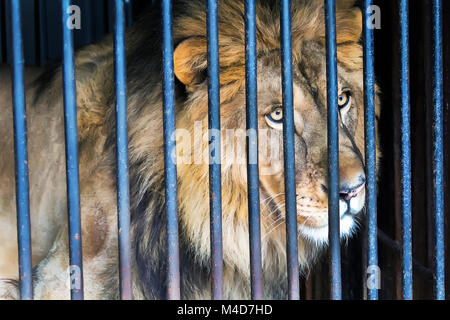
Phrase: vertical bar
(252, 150)
(438, 161)
(21, 156)
(73, 185)
(215, 188)
(173, 263)
(333, 151)
(289, 153)
(370, 142)
(123, 189)
(406, 151)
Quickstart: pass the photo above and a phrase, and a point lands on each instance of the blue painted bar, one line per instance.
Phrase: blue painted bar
(170, 167)
(21, 156)
(73, 184)
(252, 151)
(123, 187)
(438, 157)
(333, 151)
(289, 153)
(406, 152)
(215, 181)
(370, 143)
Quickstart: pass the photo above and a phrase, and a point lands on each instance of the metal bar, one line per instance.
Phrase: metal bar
(123, 188)
(289, 153)
(21, 155)
(370, 143)
(215, 183)
(73, 185)
(406, 151)
(438, 159)
(333, 151)
(173, 262)
(252, 150)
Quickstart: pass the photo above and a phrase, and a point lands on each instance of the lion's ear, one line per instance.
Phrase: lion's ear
(190, 60)
(348, 34)
(348, 25)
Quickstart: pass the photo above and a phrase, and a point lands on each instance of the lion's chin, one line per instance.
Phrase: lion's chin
(319, 235)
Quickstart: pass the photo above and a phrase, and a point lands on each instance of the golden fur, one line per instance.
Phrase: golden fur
(95, 100)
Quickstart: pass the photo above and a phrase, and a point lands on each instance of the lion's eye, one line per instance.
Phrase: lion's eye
(275, 118)
(344, 99)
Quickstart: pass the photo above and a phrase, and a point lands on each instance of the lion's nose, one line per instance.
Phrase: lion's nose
(348, 192)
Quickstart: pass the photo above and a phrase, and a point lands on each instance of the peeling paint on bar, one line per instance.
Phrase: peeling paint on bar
(438, 157)
(406, 151)
(370, 144)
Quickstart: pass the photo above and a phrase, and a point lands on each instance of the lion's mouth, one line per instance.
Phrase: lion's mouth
(312, 218)
(348, 209)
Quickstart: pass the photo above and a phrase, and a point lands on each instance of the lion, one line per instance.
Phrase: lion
(96, 134)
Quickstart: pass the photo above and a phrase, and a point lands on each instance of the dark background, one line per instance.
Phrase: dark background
(42, 26)
(42, 42)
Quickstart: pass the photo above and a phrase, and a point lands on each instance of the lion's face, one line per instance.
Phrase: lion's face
(311, 157)
(311, 154)
(310, 119)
